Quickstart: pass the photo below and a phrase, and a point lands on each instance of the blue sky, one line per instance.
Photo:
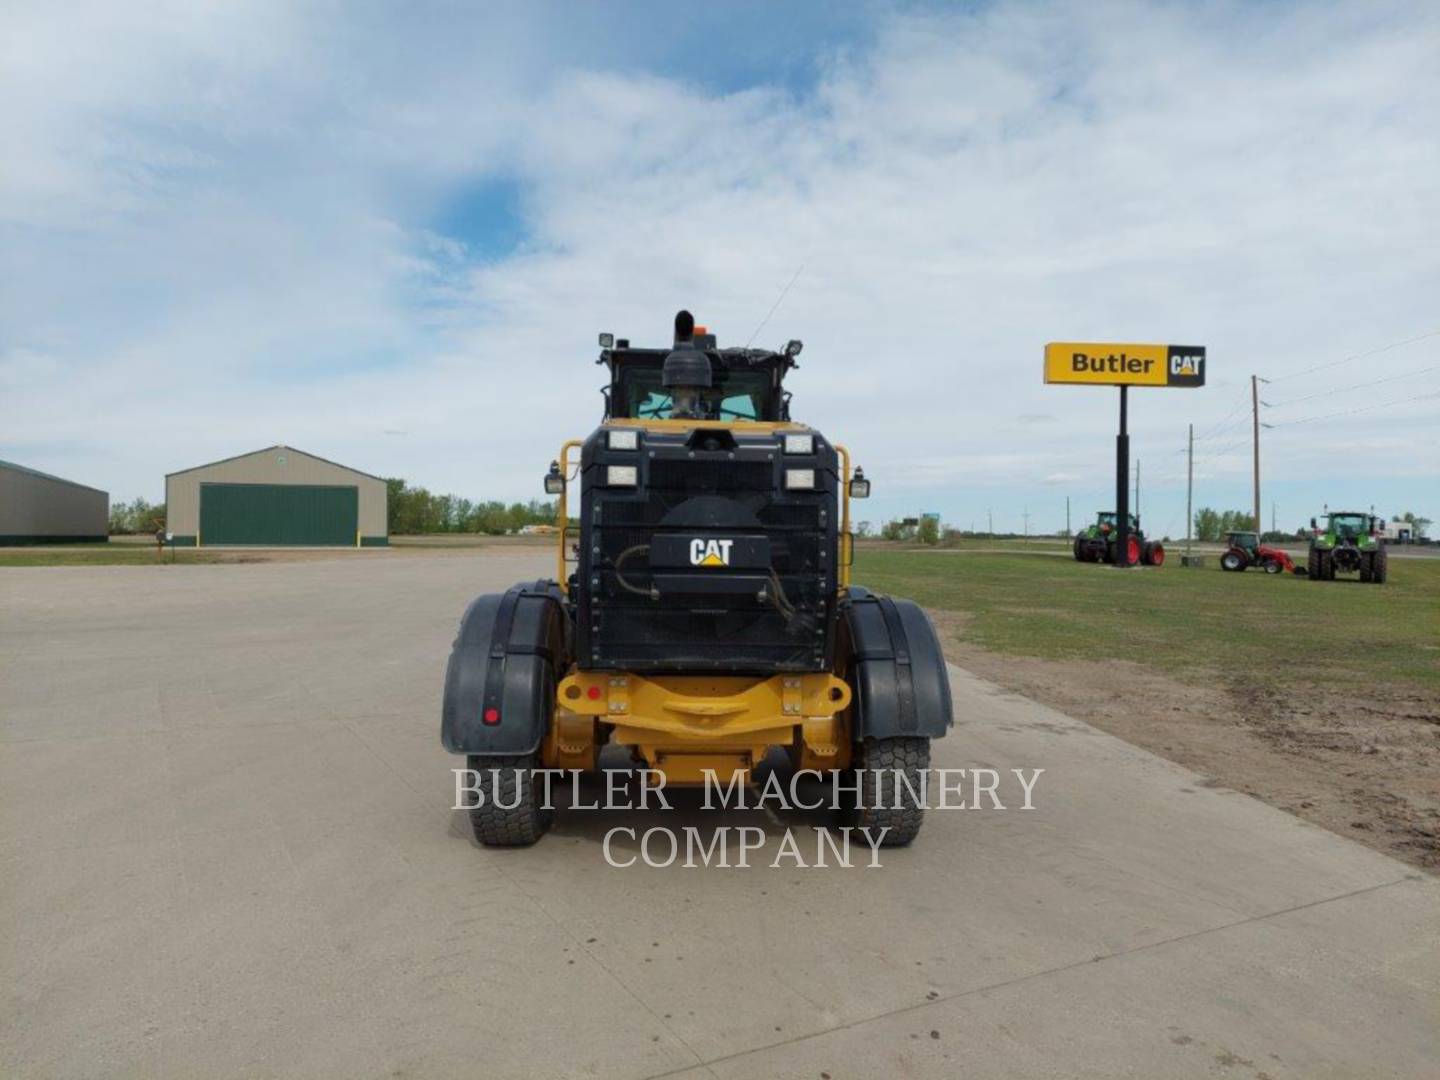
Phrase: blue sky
(389, 233)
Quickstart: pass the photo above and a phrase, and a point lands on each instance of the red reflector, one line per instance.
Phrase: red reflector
(593, 693)
(492, 716)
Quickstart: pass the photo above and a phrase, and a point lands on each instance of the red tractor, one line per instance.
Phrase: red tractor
(1244, 550)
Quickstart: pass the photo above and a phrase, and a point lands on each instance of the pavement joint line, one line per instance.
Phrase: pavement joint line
(581, 946)
(1020, 979)
(348, 726)
(575, 940)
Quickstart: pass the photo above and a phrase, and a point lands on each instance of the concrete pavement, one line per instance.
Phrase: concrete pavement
(226, 849)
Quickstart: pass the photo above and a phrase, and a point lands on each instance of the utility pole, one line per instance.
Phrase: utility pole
(1025, 514)
(1137, 489)
(1255, 433)
(1067, 515)
(1272, 515)
(990, 522)
(1189, 487)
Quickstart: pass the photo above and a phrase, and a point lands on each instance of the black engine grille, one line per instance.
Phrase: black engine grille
(730, 631)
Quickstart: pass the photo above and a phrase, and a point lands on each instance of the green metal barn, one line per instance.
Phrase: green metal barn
(276, 497)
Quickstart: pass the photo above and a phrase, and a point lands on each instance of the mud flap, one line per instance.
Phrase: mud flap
(502, 666)
(898, 669)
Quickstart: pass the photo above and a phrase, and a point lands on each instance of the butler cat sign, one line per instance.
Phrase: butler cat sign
(1124, 365)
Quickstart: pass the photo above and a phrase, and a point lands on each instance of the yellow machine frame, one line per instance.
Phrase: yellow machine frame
(687, 725)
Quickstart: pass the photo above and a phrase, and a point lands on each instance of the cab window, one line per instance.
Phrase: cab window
(736, 395)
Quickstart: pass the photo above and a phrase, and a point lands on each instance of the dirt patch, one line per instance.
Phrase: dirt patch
(1366, 766)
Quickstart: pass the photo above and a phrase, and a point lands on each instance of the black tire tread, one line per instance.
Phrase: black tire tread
(518, 827)
(910, 754)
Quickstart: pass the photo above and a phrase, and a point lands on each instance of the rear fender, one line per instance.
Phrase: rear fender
(504, 658)
(898, 670)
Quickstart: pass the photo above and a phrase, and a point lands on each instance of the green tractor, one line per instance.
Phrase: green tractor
(1096, 543)
(1348, 542)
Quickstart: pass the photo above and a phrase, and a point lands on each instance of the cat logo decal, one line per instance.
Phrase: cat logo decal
(710, 552)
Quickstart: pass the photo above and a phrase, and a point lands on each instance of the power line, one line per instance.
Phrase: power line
(1363, 408)
(1244, 418)
(1238, 411)
(1357, 356)
(1355, 386)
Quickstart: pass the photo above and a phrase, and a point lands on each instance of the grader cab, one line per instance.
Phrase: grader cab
(705, 614)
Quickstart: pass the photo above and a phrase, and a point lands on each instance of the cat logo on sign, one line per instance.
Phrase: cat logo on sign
(710, 552)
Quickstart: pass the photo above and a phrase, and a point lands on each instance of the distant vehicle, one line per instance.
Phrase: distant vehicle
(536, 530)
(1348, 542)
(1096, 543)
(1244, 550)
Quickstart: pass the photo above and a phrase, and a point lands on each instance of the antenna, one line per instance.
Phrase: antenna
(783, 292)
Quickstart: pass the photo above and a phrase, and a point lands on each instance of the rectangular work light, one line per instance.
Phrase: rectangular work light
(799, 444)
(622, 475)
(800, 479)
(624, 440)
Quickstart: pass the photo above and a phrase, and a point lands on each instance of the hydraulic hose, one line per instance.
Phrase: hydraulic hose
(778, 597)
(651, 593)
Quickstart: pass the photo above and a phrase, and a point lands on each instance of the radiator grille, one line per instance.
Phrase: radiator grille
(619, 629)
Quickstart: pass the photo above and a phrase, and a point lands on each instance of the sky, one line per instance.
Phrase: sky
(389, 234)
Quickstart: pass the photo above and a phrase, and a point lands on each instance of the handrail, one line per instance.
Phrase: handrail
(847, 542)
(563, 514)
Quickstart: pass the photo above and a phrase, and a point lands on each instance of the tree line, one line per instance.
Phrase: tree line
(139, 516)
(1212, 525)
(414, 510)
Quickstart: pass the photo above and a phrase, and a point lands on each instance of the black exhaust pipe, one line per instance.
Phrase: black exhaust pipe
(684, 328)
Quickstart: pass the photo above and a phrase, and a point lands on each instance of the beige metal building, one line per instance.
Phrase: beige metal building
(275, 497)
(37, 508)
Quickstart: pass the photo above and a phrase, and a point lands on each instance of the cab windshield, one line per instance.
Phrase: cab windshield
(736, 395)
(1351, 525)
(1113, 519)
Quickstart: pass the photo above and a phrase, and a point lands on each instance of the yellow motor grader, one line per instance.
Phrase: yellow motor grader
(704, 615)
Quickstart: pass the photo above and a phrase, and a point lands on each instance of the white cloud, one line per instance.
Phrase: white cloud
(218, 233)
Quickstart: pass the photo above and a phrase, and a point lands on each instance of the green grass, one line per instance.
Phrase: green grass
(1187, 622)
(101, 555)
(973, 543)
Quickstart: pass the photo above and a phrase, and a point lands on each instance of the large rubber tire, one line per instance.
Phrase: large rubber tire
(1132, 550)
(1233, 561)
(514, 783)
(1272, 566)
(1079, 550)
(1155, 554)
(1312, 565)
(1381, 568)
(1366, 561)
(881, 791)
